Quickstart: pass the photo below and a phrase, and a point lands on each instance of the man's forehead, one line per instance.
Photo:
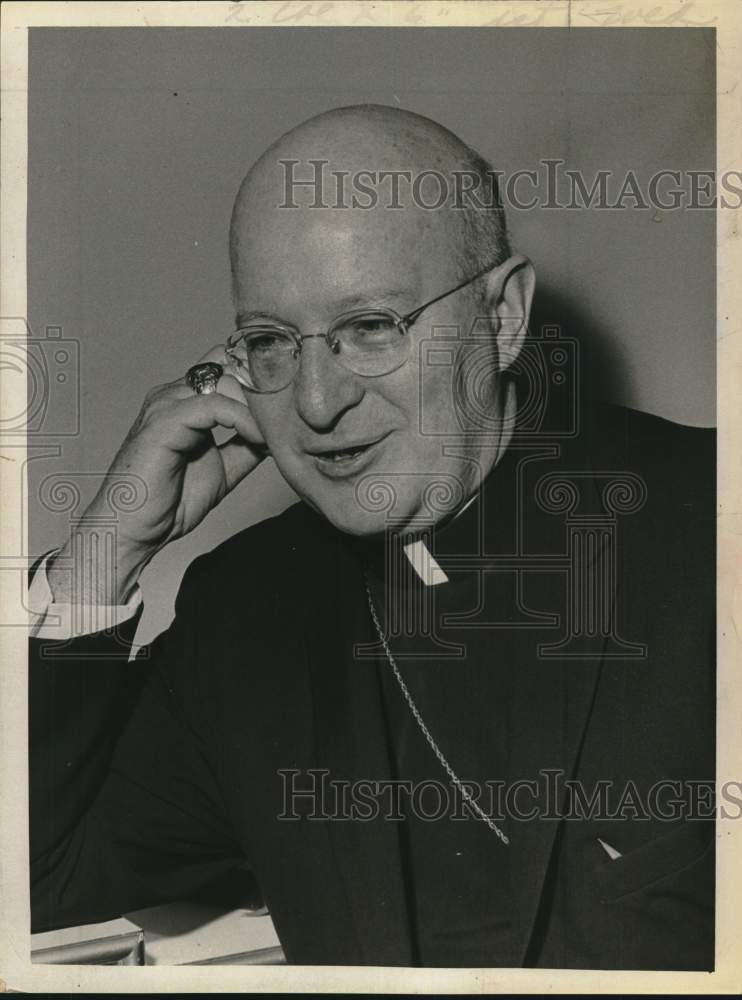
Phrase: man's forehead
(316, 268)
(338, 235)
(329, 261)
(343, 231)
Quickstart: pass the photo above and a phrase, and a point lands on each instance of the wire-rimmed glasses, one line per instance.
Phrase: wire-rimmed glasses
(265, 357)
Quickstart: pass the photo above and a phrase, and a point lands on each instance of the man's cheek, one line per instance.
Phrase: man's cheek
(436, 406)
(266, 426)
(274, 430)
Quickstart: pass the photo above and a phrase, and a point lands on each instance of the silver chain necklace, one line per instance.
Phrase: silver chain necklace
(465, 794)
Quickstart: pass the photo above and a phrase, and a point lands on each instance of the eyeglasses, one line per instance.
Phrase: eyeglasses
(369, 342)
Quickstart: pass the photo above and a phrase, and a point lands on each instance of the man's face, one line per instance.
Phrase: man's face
(304, 268)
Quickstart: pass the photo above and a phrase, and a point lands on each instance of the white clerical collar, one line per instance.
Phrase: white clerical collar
(422, 560)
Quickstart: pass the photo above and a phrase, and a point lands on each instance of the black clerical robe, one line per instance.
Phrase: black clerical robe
(574, 640)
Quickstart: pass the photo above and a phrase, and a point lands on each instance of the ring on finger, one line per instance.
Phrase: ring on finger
(203, 377)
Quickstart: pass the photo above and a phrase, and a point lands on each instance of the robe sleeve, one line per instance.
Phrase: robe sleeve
(125, 809)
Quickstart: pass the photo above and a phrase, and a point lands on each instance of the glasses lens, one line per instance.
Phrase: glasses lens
(263, 359)
(370, 343)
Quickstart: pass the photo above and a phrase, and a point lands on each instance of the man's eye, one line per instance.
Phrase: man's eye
(373, 326)
(267, 343)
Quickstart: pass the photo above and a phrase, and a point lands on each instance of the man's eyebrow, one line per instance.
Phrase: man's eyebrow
(243, 318)
(359, 300)
(372, 297)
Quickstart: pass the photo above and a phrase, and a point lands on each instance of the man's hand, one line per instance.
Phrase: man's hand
(170, 448)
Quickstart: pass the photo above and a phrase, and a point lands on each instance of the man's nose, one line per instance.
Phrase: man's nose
(323, 388)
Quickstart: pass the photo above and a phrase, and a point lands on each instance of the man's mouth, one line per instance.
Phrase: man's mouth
(337, 462)
(344, 454)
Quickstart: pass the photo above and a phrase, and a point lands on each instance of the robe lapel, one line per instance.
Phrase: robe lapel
(551, 737)
(351, 743)
(551, 743)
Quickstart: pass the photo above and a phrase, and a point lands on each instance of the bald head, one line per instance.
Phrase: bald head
(393, 174)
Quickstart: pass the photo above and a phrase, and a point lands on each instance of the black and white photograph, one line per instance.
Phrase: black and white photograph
(368, 543)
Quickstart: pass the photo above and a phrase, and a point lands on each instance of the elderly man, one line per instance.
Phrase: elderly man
(453, 708)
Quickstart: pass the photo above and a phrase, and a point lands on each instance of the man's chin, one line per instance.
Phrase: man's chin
(353, 519)
(361, 523)
(376, 505)
(377, 502)
(362, 517)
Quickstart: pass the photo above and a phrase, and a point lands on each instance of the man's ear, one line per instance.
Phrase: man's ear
(509, 294)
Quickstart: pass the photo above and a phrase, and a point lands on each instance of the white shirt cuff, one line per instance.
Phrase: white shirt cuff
(50, 620)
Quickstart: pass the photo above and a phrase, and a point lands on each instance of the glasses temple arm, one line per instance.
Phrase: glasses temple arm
(412, 317)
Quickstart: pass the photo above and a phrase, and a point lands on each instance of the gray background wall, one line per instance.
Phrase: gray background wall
(138, 140)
